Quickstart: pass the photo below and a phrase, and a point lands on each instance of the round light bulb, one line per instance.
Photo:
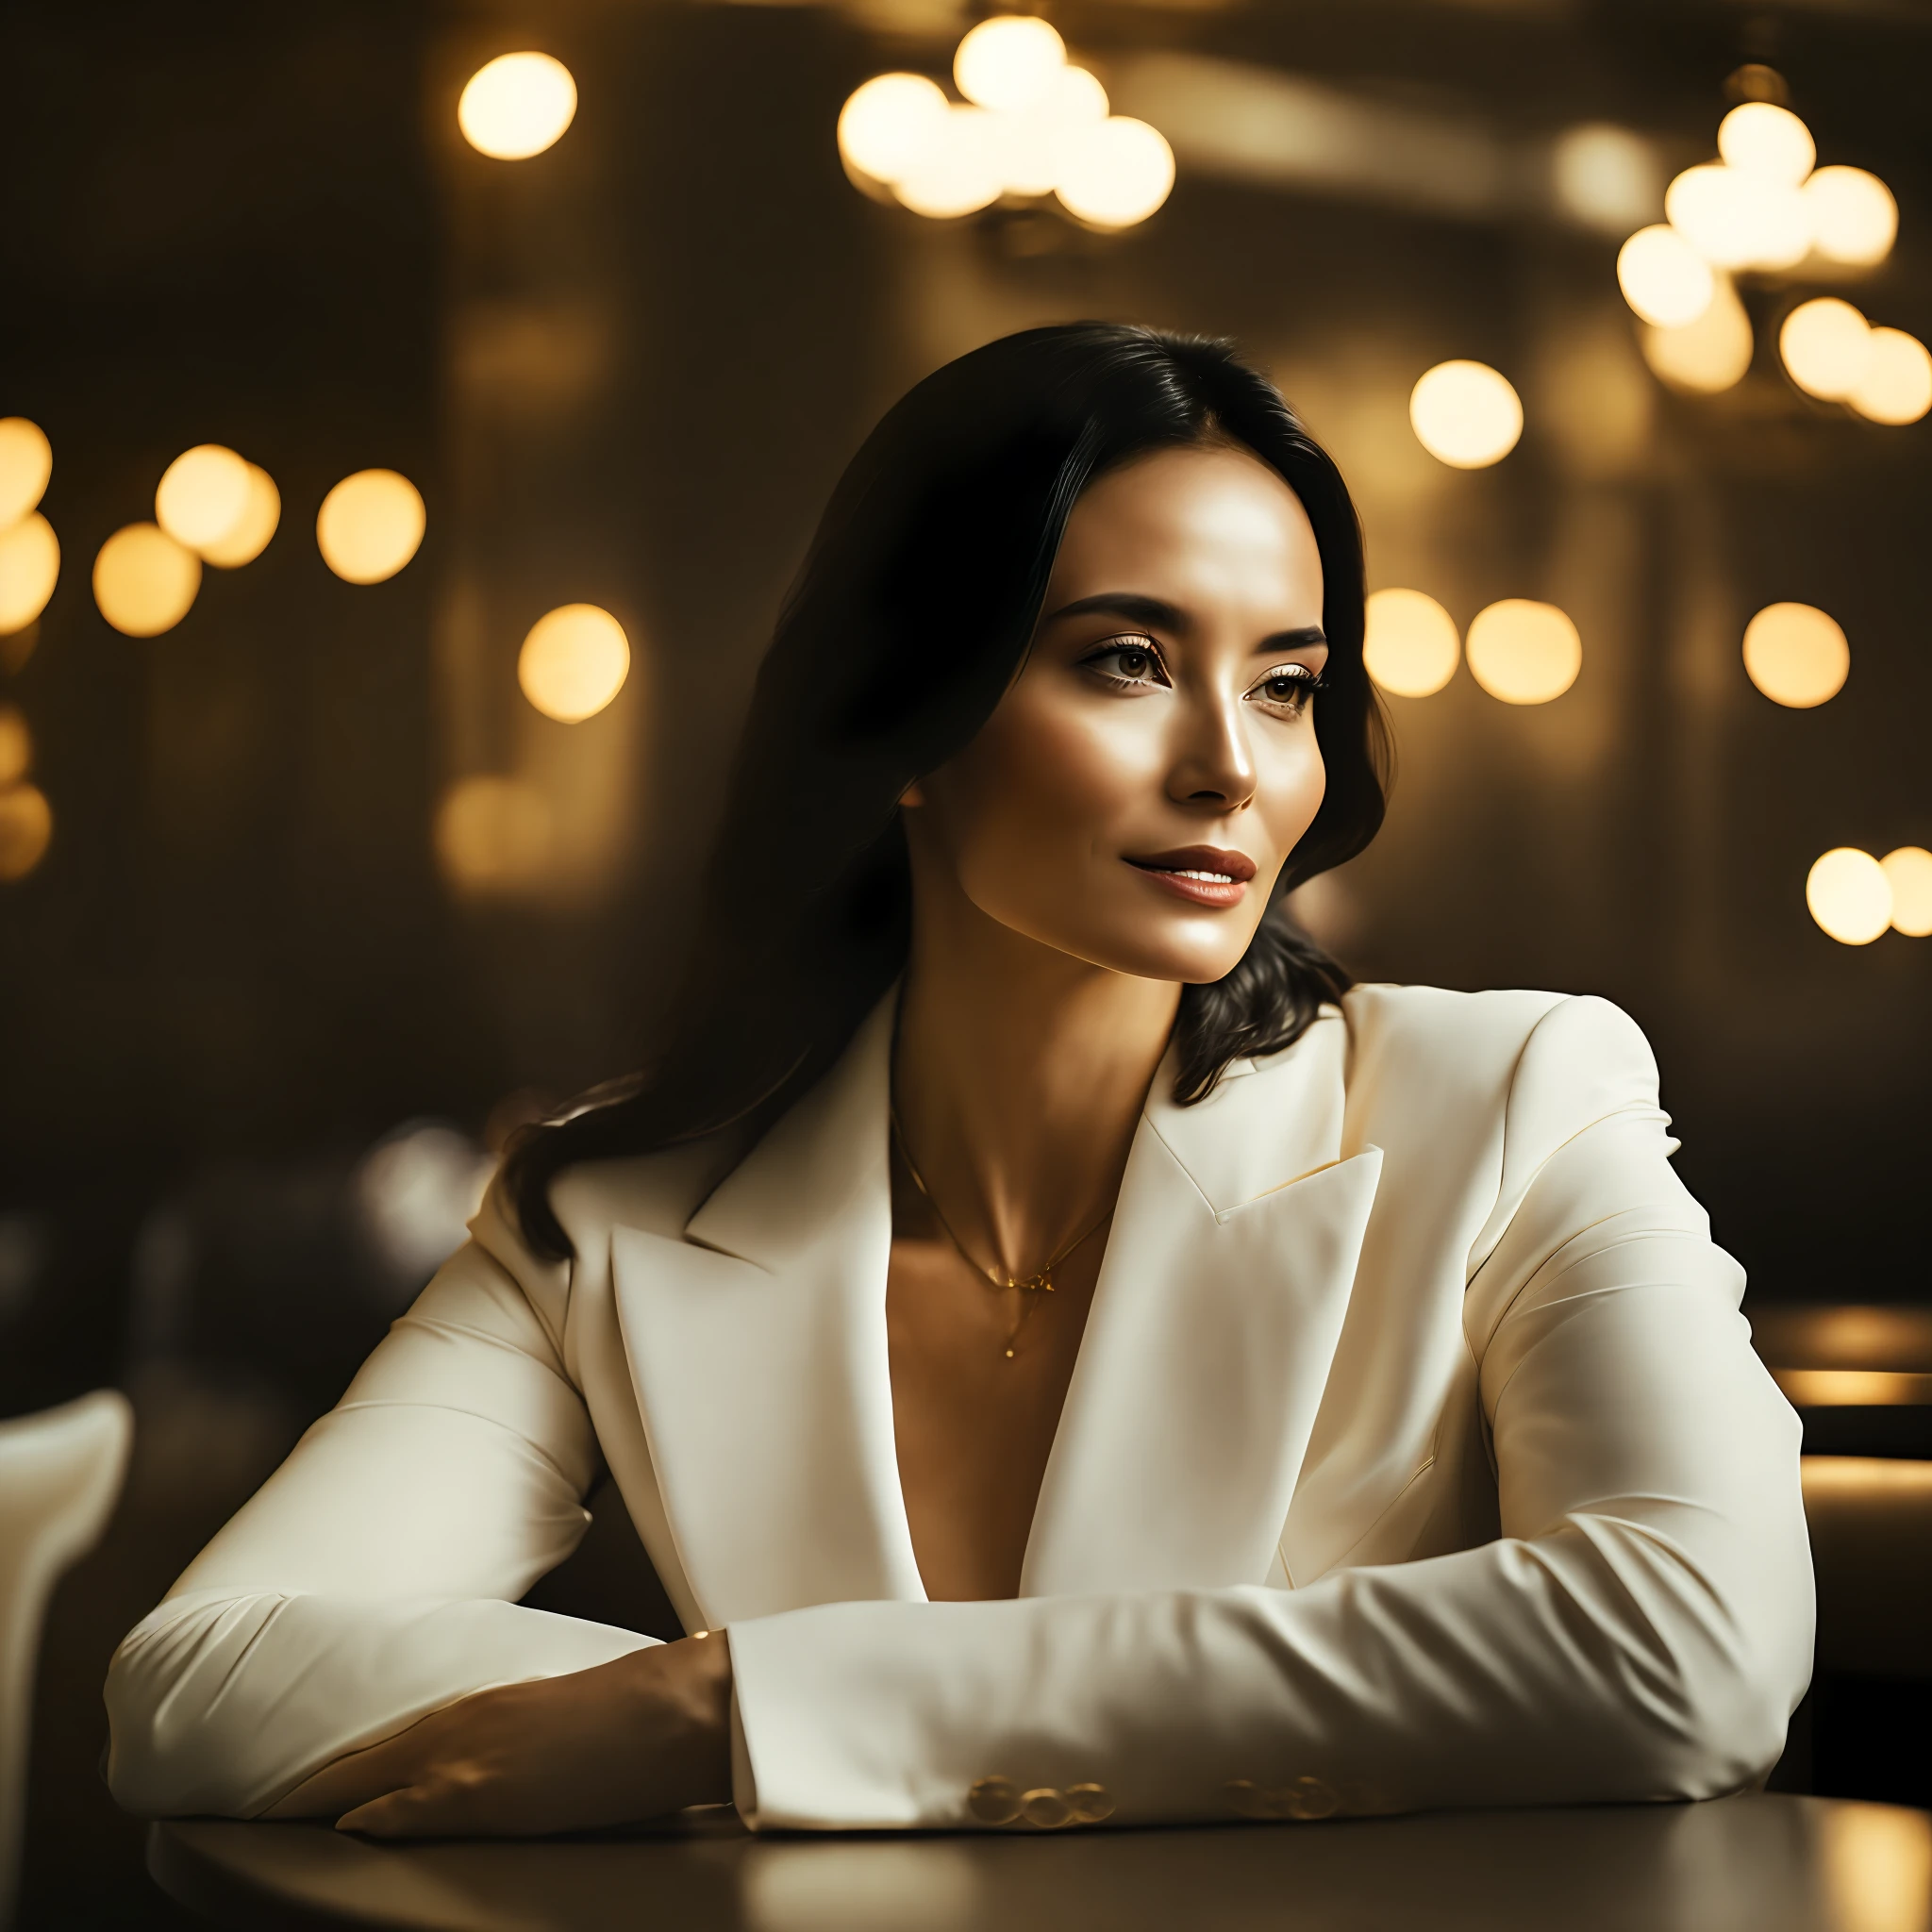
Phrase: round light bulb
(516, 105)
(27, 461)
(1009, 61)
(1466, 414)
(248, 538)
(1663, 278)
(1796, 654)
(1908, 872)
(1032, 143)
(204, 495)
(1849, 895)
(370, 525)
(1708, 355)
(1825, 345)
(1523, 652)
(889, 124)
(1115, 172)
(30, 569)
(1761, 139)
(144, 581)
(1853, 216)
(1410, 646)
(27, 828)
(1736, 220)
(960, 172)
(573, 663)
(1896, 384)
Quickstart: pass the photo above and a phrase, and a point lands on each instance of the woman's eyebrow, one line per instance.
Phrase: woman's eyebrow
(1306, 639)
(1156, 613)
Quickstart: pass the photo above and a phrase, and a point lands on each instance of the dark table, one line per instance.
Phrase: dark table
(1754, 1864)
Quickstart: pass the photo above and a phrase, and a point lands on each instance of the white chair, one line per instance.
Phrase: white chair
(60, 1473)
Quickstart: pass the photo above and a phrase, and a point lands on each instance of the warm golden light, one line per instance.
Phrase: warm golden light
(1465, 414)
(573, 663)
(1033, 142)
(1411, 647)
(1796, 654)
(959, 172)
(1851, 214)
(1009, 61)
(1736, 220)
(30, 569)
(1708, 355)
(1523, 652)
(491, 834)
(1849, 895)
(1761, 139)
(247, 536)
(1825, 345)
(1896, 385)
(16, 745)
(1116, 172)
(370, 525)
(1877, 1863)
(203, 495)
(27, 461)
(1663, 278)
(144, 581)
(1908, 872)
(517, 106)
(26, 827)
(889, 124)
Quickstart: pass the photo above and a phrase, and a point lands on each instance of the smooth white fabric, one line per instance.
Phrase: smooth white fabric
(1416, 1446)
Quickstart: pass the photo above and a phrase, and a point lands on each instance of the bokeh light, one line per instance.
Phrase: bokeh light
(1908, 872)
(959, 171)
(1033, 143)
(203, 495)
(1523, 652)
(1796, 654)
(573, 663)
(30, 569)
(492, 835)
(247, 536)
(1849, 895)
(1852, 215)
(1825, 345)
(516, 105)
(1606, 176)
(370, 525)
(144, 581)
(889, 124)
(1410, 646)
(16, 745)
(1663, 278)
(1465, 414)
(1116, 172)
(1708, 355)
(1896, 384)
(1761, 139)
(27, 461)
(26, 829)
(1736, 220)
(1009, 61)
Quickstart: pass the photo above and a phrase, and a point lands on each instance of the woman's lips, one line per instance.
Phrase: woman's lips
(1202, 875)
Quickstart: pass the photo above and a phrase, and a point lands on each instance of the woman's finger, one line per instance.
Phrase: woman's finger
(411, 1812)
(350, 1781)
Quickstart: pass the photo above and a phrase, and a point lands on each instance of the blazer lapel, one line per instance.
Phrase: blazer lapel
(1221, 1299)
(758, 1350)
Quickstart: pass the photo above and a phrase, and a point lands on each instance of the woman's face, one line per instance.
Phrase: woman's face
(1133, 797)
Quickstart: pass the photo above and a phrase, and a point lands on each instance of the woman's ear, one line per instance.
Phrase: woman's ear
(913, 795)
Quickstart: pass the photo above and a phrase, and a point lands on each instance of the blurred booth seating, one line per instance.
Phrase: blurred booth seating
(60, 1473)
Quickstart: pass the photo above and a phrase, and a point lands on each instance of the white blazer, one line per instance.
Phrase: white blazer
(1416, 1454)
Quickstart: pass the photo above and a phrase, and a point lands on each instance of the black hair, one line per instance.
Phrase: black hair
(912, 614)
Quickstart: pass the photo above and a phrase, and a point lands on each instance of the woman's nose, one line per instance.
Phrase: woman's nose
(1213, 763)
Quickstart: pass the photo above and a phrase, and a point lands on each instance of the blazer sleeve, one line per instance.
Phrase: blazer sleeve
(1640, 1629)
(374, 1577)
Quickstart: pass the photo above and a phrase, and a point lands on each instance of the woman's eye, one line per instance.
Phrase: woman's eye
(1127, 664)
(1291, 689)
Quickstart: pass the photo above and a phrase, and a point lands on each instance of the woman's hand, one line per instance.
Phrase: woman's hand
(635, 1739)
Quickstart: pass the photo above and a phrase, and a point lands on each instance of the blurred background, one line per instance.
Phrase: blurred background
(405, 455)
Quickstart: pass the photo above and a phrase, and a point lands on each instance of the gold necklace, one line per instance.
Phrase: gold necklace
(1029, 1285)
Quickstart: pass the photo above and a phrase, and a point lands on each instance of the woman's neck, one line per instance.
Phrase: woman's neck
(1019, 1073)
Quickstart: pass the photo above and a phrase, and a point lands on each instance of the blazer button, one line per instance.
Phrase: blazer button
(1046, 1809)
(994, 1801)
(1090, 1803)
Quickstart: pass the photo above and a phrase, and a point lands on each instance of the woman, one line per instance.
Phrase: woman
(1068, 1353)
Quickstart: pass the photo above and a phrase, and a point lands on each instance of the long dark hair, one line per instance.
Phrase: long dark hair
(911, 616)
